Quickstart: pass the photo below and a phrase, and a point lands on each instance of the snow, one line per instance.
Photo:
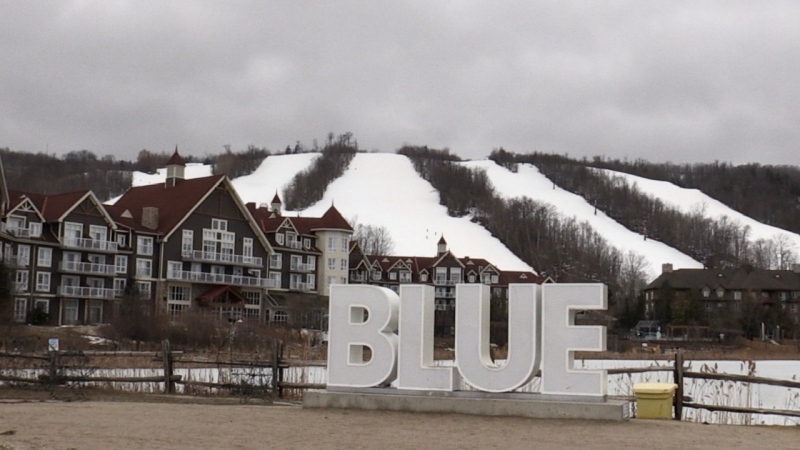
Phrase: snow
(694, 200)
(272, 176)
(529, 182)
(382, 189)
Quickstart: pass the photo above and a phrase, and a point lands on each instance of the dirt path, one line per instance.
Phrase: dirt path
(127, 425)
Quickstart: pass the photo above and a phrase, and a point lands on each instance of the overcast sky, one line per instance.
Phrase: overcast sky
(665, 81)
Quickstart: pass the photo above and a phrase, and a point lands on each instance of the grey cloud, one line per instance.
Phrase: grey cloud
(680, 81)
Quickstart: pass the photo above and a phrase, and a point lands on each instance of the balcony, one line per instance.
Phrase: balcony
(359, 277)
(219, 278)
(222, 258)
(302, 267)
(295, 244)
(15, 261)
(87, 268)
(301, 286)
(86, 292)
(91, 244)
(24, 232)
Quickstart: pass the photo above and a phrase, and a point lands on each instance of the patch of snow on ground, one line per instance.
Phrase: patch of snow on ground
(694, 200)
(383, 189)
(529, 182)
(272, 176)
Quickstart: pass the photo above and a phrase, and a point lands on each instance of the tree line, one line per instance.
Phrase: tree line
(717, 243)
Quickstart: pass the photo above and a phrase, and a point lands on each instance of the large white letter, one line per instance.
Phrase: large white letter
(562, 338)
(349, 333)
(415, 360)
(472, 337)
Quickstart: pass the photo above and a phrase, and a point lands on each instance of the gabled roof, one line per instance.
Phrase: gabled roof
(18, 200)
(174, 203)
(743, 278)
(56, 207)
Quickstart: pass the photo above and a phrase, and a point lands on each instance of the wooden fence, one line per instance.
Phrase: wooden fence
(59, 370)
(680, 374)
(58, 373)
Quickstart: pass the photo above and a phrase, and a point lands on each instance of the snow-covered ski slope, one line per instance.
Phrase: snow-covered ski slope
(692, 200)
(272, 176)
(383, 189)
(529, 182)
(193, 170)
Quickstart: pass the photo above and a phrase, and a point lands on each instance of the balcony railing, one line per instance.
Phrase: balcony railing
(91, 244)
(301, 286)
(295, 244)
(86, 292)
(224, 258)
(219, 278)
(15, 261)
(302, 267)
(90, 268)
(358, 277)
(24, 232)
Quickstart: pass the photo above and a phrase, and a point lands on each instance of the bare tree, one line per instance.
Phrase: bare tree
(373, 240)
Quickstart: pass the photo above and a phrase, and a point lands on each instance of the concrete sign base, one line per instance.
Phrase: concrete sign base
(467, 402)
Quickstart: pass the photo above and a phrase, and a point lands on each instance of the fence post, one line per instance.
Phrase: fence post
(53, 368)
(274, 365)
(166, 351)
(678, 379)
(280, 370)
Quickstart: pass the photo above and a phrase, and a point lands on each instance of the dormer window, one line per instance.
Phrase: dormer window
(423, 277)
(307, 243)
(279, 238)
(393, 276)
(472, 278)
(720, 292)
(35, 229)
(376, 274)
(706, 292)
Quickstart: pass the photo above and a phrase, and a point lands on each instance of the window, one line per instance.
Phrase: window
(423, 277)
(343, 264)
(393, 276)
(219, 224)
(455, 275)
(737, 295)
(345, 242)
(247, 249)
(332, 243)
(275, 261)
(22, 280)
(307, 243)
(472, 278)
(144, 245)
(144, 268)
(706, 292)
(311, 281)
(279, 238)
(23, 255)
(252, 298)
(280, 317)
(73, 231)
(95, 311)
(297, 262)
(405, 276)
(45, 258)
(376, 274)
(187, 242)
(42, 304)
(495, 279)
(71, 311)
(144, 288)
(783, 296)
(119, 286)
(720, 292)
(20, 309)
(182, 294)
(122, 240)
(98, 232)
(174, 268)
(121, 263)
(312, 262)
(331, 263)
(43, 281)
(35, 229)
(176, 309)
(275, 279)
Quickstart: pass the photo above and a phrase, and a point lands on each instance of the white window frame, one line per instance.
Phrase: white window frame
(35, 229)
(219, 224)
(23, 255)
(21, 280)
(121, 263)
(44, 257)
(140, 263)
(187, 241)
(43, 281)
(98, 232)
(144, 245)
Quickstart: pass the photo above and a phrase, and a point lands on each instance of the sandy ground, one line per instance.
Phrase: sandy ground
(132, 425)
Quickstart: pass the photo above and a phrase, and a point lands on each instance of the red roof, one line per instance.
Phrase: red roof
(52, 207)
(173, 203)
(332, 220)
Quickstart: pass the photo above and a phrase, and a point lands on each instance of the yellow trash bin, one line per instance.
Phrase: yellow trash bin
(654, 400)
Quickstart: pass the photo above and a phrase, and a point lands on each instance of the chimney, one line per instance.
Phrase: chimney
(796, 268)
(666, 268)
(150, 217)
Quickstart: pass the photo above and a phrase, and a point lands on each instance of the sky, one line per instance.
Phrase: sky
(679, 81)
